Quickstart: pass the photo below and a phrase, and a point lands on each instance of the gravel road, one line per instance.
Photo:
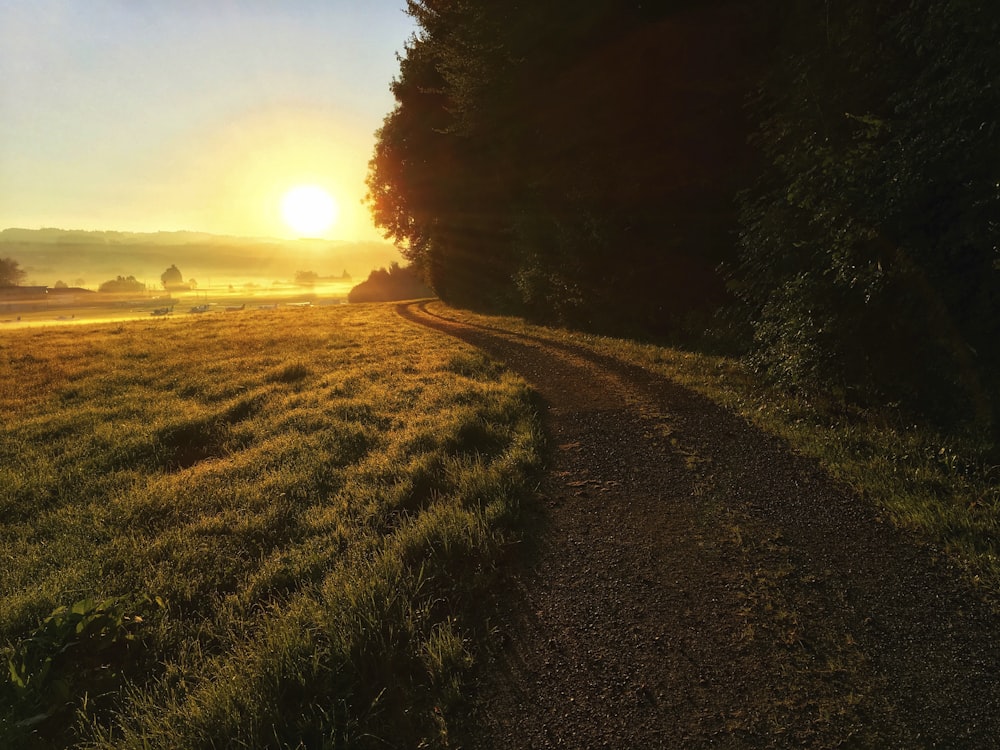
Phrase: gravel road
(695, 583)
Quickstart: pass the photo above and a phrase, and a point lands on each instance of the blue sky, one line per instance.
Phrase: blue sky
(190, 114)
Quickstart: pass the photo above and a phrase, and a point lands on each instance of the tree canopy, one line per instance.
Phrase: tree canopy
(825, 174)
(573, 159)
(869, 256)
(122, 284)
(171, 277)
(385, 285)
(306, 278)
(11, 273)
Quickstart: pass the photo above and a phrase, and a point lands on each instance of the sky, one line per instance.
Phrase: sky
(150, 115)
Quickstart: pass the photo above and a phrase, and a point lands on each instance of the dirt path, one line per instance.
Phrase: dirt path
(697, 584)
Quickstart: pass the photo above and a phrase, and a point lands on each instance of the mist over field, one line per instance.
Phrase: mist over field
(89, 258)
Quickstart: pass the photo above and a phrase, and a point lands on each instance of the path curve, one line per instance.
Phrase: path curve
(698, 584)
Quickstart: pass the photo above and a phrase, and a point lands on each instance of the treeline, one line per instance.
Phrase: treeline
(389, 284)
(215, 260)
(577, 159)
(817, 182)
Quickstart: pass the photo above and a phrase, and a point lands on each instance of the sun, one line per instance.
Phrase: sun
(309, 210)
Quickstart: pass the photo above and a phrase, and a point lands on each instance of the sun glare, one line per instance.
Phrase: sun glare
(309, 210)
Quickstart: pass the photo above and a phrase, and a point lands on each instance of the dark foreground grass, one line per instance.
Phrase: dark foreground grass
(266, 529)
(944, 488)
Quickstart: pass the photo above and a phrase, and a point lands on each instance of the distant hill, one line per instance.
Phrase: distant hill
(51, 254)
(54, 236)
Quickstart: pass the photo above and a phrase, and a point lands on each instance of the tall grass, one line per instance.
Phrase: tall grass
(942, 487)
(260, 530)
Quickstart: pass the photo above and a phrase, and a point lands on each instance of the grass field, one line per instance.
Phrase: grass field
(273, 528)
(278, 528)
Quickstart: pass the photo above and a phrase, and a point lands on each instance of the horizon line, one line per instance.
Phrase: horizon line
(254, 238)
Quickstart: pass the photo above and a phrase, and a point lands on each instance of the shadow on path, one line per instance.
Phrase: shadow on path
(700, 585)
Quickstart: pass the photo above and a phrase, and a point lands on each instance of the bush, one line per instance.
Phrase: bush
(396, 283)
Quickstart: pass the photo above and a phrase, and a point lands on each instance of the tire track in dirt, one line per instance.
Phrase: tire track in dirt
(697, 584)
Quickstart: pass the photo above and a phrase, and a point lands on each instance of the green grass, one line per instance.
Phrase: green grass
(941, 487)
(266, 530)
(278, 529)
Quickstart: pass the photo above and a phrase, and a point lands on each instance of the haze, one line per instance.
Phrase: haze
(145, 116)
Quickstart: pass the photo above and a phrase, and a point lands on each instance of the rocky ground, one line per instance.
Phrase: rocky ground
(695, 583)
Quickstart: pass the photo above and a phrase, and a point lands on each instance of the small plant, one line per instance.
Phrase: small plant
(76, 651)
(85, 626)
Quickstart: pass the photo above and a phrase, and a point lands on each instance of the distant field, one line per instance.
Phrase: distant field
(114, 308)
(249, 530)
(49, 255)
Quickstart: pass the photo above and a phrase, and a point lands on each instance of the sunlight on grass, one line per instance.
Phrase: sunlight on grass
(293, 514)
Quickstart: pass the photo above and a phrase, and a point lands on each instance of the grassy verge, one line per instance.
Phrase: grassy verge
(266, 529)
(941, 487)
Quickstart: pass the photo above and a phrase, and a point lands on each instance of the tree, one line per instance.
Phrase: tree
(61, 285)
(869, 261)
(535, 146)
(122, 284)
(306, 278)
(171, 277)
(385, 285)
(11, 273)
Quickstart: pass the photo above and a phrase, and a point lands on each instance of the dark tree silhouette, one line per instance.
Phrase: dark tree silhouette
(385, 285)
(579, 160)
(588, 162)
(122, 284)
(171, 277)
(869, 256)
(11, 273)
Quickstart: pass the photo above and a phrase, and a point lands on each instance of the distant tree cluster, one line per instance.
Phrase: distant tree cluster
(173, 280)
(825, 174)
(311, 278)
(395, 283)
(122, 284)
(11, 273)
(306, 278)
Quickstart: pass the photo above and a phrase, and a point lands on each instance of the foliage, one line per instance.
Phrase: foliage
(11, 273)
(122, 284)
(556, 156)
(318, 496)
(579, 163)
(171, 277)
(81, 649)
(395, 283)
(869, 260)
